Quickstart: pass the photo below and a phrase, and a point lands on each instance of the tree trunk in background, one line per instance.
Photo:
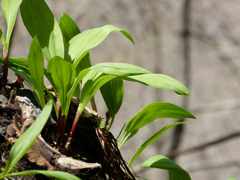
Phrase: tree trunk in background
(184, 57)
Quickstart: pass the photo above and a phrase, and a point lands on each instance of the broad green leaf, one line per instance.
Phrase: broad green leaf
(10, 10)
(81, 44)
(16, 61)
(90, 84)
(36, 69)
(51, 174)
(39, 20)
(119, 69)
(69, 30)
(68, 27)
(134, 73)
(26, 140)
(2, 37)
(75, 84)
(151, 140)
(231, 179)
(160, 81)
(149, 113)
(112, 93)
(21, 61)
(162, 162)
(63, 75)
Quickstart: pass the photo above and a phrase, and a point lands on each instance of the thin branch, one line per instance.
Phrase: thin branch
(205, 145)
(215, 107)
(213, 165)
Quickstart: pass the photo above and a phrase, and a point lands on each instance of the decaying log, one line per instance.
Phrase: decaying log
(95, 151)
(41, 152)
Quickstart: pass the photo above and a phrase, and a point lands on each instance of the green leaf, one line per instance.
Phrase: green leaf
(75, 84)
(22, 71)
(10, 10)
(134, 73)
(36, 69)
(119, 69)
(90, 84)
(69, 30)
(81, 44)
(51, 174)
(160, 81)
(68, 27)
(3, 39)
(63, 75)
(27, 139)
(231, 179)
(39, 20)
(151, 140)
(162, 162)
(149, 113)
(19, 61)
(112, 93)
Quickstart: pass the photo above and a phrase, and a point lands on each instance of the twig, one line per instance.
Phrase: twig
(205, 145)
(213, 165)
(215, 107)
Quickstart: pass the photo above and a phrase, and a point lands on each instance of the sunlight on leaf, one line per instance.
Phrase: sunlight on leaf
(81, 44)
(160, 81)
(10, 10)
(134, 73)
(90, 84)
(63, 75)
(119, 69)
(151, 140)
(36, 69)
(162, 162)
(75, 84)
(148, 114)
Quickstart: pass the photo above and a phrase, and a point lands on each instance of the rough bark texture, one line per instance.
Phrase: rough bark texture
(94, 152)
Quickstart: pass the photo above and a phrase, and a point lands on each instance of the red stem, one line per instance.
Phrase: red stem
(5, 70)
(76, 119)
(62, 128)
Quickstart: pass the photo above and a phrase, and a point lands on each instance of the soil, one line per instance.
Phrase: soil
(93, 148)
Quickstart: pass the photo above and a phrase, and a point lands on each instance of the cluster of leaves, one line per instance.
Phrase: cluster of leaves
(66, 49)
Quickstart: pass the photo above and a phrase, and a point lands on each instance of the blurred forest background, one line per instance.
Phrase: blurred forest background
(195, 42)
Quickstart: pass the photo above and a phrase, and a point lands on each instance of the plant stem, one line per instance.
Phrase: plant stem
(94, 107)
(5, 70)
(59, 120)
(61, 128)
(76, 119)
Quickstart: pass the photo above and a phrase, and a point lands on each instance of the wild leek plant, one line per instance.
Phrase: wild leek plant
(69, 67)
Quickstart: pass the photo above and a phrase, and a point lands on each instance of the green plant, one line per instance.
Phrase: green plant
(66, 49)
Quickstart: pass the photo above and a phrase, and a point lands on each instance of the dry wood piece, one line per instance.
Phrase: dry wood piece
(40, 153)
(94, 153)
